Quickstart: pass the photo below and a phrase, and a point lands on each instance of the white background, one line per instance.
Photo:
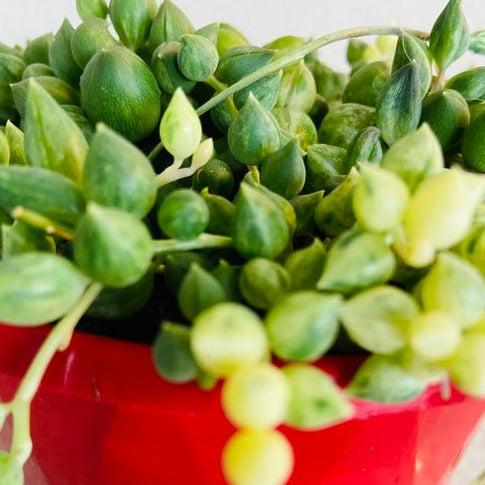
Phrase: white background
(260, 20)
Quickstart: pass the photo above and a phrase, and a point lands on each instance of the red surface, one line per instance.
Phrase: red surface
(104, 417)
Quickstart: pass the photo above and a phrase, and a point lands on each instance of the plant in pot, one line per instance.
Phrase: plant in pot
(268, 211)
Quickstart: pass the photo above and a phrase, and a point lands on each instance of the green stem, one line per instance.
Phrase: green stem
(39, 221)
(20, 405)
(219, 87)
(165, 246)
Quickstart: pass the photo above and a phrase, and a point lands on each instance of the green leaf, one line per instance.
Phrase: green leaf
(172, 356)
(4, 149)
(316, 401)
(61, 91)
(306, 265)
(382, 378)
(117, 174)
(262, 282)
(325, 167)
(365, 85)
(342, 123)
(61, 59)
(22, 238)
(334, 213)
(180, 128)
(253, 133)
(470, 83)
(450, 37)
(357, 260)
(415, 156)
(260, 227)
(91, 8)
(132, 107)
(37, 50)
(52, 139)
(298, 88)
(365, 147)
(378, 319)
(169, 24)
(112, 246)
(304, 207)
(455, 287)
(15, 138)
(199, 290)
(447, 113)
(221, 213)
(51, 194)
(303, 325)
(37, 288)
(399, 105)
(477, 42)
(132, 20)
(197, 58)
(283, 171)
(166, 69)
(411, 49)
(183, 214)
(473, 145)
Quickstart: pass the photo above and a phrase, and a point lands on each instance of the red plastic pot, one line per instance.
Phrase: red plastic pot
(104, 417)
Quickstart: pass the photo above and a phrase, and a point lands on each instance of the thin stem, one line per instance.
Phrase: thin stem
(166, 246)
(39, 221)
(172, 173)
(20, 406)
(155, 152)
(219, 87)
(299, 53)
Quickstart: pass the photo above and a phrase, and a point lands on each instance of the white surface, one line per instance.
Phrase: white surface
(260, 20)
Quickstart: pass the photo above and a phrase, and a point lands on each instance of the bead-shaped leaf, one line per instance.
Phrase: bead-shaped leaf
(304, 206)
(298, 88)
(450, 37)
(171, 354)
(112, 246)
(89, 38)
(169, 24)
(410, 49)
(306, 265)
(60, 90)
(4, 149)
(383, 379)
(470, 83)
(91, 8)
(415, 157)
(132, 20)
(473, 144)
(131, 107)
(455, 287)
(253, 134)
(303, 325)
(283, 171)
(197, 58)
(378, 319)
(40, 190)
(180, 128)
(399, 105)
(477, 42)
(166, 69)
(379, 199)
(260, 227)
(325, 167)
(199, 290)
(334, 213)
(22, 238)
(316, 401)
(52, 139)
(61, 59)
(117, 174)
(262, 282)
(221, 213)
(37, 50)
(36, 288)
(357, 260)
(366, 147)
